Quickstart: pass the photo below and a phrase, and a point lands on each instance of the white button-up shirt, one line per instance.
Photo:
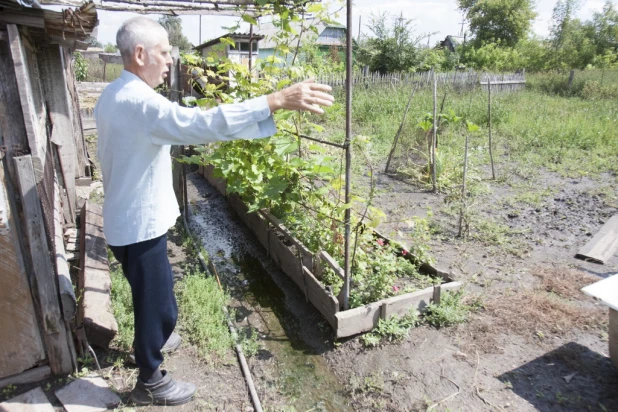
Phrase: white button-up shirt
(136, 128)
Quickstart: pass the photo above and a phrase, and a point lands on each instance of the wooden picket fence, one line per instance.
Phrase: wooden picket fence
(469, 80)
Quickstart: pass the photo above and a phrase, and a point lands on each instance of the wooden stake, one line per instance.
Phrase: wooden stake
(435, 132)
(491, 155)
(463, 189)
(405, 114)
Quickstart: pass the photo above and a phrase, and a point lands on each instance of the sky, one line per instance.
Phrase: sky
(430, 16)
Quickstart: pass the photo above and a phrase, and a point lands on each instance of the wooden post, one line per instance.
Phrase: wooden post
(46, 289)
(463, 189)
(491, 155)
(405, 114)
(571, 79)
(613, 336)
(434, 135)
(104, 71)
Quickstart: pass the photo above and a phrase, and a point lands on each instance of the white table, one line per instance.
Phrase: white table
(606, 291)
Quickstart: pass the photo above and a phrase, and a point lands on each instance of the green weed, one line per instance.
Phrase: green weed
(200, 302)
(393, 329)
(122, 303)
(451, 310)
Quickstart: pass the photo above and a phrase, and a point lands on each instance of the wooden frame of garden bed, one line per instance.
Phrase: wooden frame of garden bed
(304, 268)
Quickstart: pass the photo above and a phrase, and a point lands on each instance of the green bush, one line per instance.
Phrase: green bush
(450, 311)
(81, 67)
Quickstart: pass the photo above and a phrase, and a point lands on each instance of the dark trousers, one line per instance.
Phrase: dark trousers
(147, 268)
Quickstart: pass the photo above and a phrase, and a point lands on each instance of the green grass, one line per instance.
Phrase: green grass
(569, 135)
(451, 310)
(201, 320)
(201, 302)
(122, 303)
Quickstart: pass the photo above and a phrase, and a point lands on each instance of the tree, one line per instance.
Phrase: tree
(173, 26)
(93, 42)
(110, 48)
(507, 21)
(572, 42)
(605, 26)
(392, 49)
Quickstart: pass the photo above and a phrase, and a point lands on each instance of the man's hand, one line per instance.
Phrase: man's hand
(307, 95)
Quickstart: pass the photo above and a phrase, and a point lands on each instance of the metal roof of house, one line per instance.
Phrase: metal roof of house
(234, 36)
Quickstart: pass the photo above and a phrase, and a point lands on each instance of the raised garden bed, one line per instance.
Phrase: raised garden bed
(305, 269)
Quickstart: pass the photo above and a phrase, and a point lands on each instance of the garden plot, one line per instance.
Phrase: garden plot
(305, 269)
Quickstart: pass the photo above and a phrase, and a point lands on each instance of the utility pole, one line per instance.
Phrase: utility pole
(359, 28)
(200, 36)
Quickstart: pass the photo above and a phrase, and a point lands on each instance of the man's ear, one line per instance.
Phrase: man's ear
(140, 55)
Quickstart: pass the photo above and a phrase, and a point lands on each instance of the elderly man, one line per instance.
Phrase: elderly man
(136, 128)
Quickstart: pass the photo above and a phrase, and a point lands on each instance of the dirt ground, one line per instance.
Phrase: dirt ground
(536, 343)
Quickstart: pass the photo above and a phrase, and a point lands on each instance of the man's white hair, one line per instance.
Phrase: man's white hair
(138, 30)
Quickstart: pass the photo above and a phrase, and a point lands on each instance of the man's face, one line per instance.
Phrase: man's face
(156, 64)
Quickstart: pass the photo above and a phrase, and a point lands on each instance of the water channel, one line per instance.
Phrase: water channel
(291, 332)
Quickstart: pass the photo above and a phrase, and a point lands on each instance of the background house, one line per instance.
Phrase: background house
(331, 37)
(238, 54)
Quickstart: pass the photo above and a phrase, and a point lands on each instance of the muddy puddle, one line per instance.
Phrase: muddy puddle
(266, 303)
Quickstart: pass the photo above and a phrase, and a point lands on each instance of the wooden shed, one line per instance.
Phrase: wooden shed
(42, 154)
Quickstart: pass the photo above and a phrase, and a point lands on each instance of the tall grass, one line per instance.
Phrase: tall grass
(533, 128)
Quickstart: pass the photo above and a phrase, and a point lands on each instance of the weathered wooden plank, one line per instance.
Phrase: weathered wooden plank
(286, 259)
(332, 263)
(95, 310)
(58, 106)
(324, 302)
(28, 17)
(81, 157)
(365, 318)
(603, 245)
(358, 320)
(65, 286)
(403, 304)
(22, 348)
(36, 140)
(29, 376)
(306, 253)
(54, 329)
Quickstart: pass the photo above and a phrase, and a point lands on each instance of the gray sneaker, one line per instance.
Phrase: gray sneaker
(173, 343)
(166, 391)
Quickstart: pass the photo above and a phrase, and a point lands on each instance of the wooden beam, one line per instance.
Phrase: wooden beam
(27, 17)
(37, 143)
(58, 106)
(95, 310)
(603, 245)
(67, 295)
(46, 292)
(29, 376)
(21, 343)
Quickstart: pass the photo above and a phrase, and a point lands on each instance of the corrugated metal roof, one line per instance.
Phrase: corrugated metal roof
(268, 30)
(233, 36)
